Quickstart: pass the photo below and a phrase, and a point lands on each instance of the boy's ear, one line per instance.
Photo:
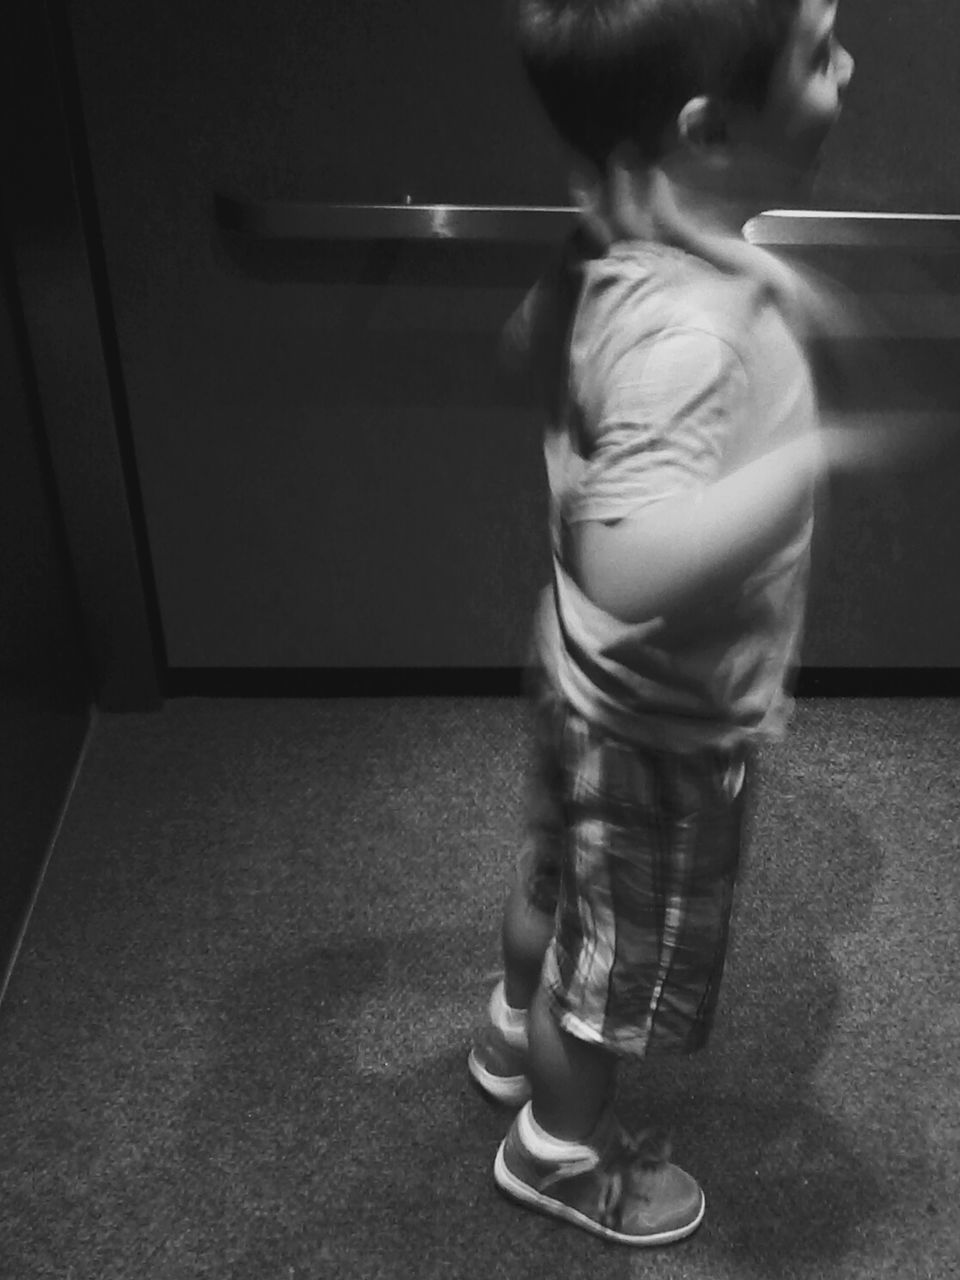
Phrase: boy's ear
(702, 124)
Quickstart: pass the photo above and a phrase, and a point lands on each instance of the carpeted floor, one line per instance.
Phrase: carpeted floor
(234, 1044)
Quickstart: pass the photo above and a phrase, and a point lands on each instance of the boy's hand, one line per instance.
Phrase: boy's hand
(855, 443)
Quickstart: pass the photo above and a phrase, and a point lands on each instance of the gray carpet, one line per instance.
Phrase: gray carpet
(234, 1043)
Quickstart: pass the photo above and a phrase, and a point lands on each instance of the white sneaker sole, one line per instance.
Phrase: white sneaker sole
(511, 1091)
(512, 1186)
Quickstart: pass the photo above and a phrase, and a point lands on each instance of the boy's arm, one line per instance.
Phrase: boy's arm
(676, 553)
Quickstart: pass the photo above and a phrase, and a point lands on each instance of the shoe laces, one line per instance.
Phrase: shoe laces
(628, 1163)
(625, 1161)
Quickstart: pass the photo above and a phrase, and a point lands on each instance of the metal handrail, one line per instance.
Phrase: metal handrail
(303, 220)
(823, 228)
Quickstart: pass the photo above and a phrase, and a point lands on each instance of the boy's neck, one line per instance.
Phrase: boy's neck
(675, 202)
(725, 194)
(710, 213)
(705, 220)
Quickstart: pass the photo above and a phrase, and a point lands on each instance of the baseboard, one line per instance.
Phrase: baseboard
(878, 682)
(343, 682)
(508, 682)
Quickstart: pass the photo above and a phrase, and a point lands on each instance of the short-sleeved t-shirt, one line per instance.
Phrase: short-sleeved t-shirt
(679, 373)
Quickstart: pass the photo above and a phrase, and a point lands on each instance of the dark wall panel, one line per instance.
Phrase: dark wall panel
(44, 691)
(52, 232)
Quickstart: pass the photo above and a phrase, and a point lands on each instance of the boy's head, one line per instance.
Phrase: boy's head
(651, 73)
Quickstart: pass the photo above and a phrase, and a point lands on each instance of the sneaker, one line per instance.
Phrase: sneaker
(499, 1068)
(619, 1187)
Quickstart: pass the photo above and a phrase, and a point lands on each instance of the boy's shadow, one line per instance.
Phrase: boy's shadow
(334, 1132)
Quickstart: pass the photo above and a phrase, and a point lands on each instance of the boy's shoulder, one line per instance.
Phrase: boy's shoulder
(674, 328)
(640, 290)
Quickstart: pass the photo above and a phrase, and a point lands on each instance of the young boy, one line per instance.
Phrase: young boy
(682, 459)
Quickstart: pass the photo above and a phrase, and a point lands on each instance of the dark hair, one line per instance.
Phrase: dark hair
(608, 71)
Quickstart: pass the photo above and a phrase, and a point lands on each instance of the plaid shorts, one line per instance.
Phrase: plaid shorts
(636, 854)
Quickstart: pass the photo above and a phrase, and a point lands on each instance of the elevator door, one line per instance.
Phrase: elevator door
(332, 474)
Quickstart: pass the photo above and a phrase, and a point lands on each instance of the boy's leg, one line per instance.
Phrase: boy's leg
(498, 1058)
(530, 912)
(635, 962)
(498, 1061)
(572, 1079)
(525, 934)
(566, 1154)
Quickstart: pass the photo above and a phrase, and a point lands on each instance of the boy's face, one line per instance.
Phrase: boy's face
(806, 94)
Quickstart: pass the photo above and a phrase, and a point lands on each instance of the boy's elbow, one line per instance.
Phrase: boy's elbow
(631, 572)
(609, 577)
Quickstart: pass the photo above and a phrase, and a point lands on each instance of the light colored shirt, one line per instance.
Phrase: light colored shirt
(678, 374)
